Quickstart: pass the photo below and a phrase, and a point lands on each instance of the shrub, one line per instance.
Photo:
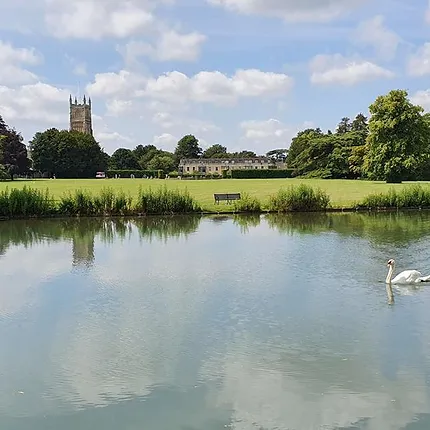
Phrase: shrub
(301, 198)
(247, 203)
(26, 202)
(414, 196)
(261, 173)
(164, 201)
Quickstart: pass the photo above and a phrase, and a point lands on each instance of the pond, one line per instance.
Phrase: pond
(258, 322)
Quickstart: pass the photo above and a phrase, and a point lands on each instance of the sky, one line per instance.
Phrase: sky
(247, 74)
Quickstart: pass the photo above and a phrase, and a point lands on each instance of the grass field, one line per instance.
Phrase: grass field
(343, 193)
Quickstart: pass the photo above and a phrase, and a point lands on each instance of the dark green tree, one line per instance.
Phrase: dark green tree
(163, 161)
(360, 124)
(13, 152)
(188, 147)
(215, 151)
(279, 155)
(67, 154)
(344, 126)
(397, 147)
(124, 159)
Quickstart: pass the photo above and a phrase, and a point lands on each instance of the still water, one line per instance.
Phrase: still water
(271, 322)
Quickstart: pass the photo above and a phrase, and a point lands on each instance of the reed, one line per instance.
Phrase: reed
(413, 196)
(247, 203)
(164, 201)
(302, 198)
(26, 202)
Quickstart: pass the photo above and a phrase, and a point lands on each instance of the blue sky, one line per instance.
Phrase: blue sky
(244, 73)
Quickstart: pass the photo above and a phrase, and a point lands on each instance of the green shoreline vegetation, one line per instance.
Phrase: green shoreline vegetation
(28, 202)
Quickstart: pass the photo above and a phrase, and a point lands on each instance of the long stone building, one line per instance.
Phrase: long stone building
(80, 116)
(207, 166)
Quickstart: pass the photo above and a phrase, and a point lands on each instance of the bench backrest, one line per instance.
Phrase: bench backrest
(225, 196)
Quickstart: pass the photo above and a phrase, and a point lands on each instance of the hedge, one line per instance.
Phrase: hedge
(261, 173)
(136, 173)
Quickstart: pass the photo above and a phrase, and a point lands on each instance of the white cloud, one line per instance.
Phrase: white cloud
(419, 63)
(165, 141)
(204, 87)
(291, 10)
(121, 84)
(336, 69)
(262, 136)
(41, 103)
(374, 33)
(422, 98)
(13, 60)
(170, 46)
(95, 19)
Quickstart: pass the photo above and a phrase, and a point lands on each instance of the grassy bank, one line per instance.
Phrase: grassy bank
(342, 193)
(32, 202)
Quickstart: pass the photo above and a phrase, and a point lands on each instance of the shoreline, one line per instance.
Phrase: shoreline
(208, 213)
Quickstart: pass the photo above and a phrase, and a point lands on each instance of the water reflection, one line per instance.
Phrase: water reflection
(250, 323)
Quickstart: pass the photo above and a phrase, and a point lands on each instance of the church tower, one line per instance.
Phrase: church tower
(80, 116)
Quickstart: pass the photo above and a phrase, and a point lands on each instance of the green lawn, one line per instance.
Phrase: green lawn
(343, 193)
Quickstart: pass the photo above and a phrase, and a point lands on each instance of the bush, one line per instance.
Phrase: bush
(26, 202)
(164, 201)
(136, 173)
(247, 203)
(261, 173)
(414, 196)
(301, 198)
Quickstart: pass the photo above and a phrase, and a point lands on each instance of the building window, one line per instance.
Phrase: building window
(216, 168)
(188, 168)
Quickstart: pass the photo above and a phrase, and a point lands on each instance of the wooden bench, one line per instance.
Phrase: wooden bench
(226, 197)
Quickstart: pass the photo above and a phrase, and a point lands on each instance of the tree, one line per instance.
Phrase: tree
(360, 124)
(278, 155)
(300, 143)
(140, 150)
(244, 154)
(344, 126)
(164, 162)
(188, 147)
(123, 159)
(13, 152)
(215, 151)
(397, 147)
(67, 154)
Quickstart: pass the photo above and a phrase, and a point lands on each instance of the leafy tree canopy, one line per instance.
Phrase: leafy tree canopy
(397, 147)
(67, 154)
(13, 152)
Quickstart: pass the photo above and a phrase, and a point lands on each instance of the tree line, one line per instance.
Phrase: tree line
(392, 145)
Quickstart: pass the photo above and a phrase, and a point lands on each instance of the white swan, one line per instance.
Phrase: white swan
(405, 277)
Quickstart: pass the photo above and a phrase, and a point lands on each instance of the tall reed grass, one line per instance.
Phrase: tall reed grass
(301, 198)
(413, 196)
(247, 203)
(26, 202)
(165, 201)
(83, 203)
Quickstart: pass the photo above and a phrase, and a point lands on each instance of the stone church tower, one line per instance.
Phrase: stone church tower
(80, 116)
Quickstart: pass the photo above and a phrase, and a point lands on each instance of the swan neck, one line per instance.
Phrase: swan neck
(389, 275)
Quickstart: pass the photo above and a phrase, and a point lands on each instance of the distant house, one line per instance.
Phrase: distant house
(205, 166)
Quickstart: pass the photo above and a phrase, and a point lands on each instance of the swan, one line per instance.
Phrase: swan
(405, 277)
